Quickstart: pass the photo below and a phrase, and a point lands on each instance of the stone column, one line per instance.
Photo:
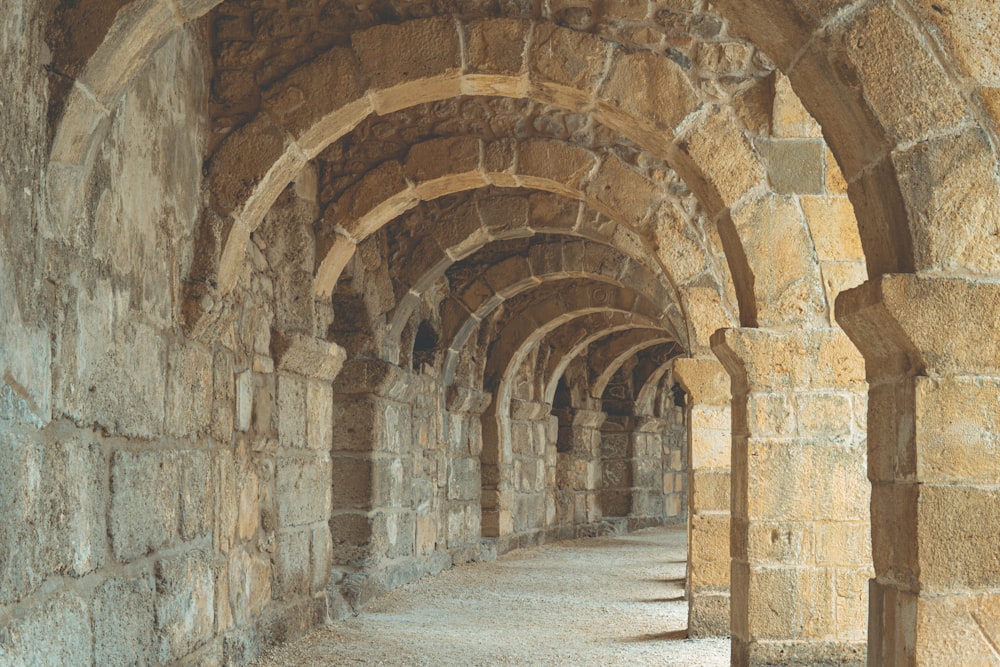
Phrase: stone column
(648, 480)
(709, 423)
(800, 527)
(932, 353)
(578, 471)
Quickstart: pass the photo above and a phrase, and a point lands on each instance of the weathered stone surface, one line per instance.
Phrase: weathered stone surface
(124, 622)
(185, 604)
(145, 510)
(58, 633)
(303, 490)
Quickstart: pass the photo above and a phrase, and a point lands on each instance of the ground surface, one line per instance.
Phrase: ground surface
(602, 601)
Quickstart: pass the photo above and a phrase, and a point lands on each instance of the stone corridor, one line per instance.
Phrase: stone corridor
(302, 301)
(595, 601)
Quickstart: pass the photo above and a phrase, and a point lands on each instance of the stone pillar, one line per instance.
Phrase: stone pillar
(648, 481)
(800, 528)
(578, 471)
(932, 354)
(709, 447)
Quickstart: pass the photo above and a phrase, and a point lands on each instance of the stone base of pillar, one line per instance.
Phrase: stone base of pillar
(799, 654)
(708, 614)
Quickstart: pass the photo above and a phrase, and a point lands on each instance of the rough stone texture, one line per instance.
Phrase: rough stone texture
(123, 622)
(926, 377)
(709, 433)
(328, 284)
(798, 473)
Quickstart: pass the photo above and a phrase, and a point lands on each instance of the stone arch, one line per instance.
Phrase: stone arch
(907, 132)
(138, 28)
(245, 185)
(574, 225)
(616, 350)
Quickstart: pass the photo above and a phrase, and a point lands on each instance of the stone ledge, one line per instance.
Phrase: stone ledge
(307, 356)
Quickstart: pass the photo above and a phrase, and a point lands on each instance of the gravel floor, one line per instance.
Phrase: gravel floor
(601, 601)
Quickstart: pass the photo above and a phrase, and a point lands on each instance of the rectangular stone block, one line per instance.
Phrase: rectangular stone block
(710, 491)
(185, 604)
(53, 495)
(124, 623)
(770, 415)
(196, 501)
(786, 543)
(189, 389)
(352, 482)
(957, 528)
(292, 555)
(842, 543)
(463, 479)
(145, 511)
(710, 448)
(958, 426)
(814, 481)
(790, 603)
(303, 490)
(708, 551)
(319, 415)
(57, 633)
(292, 411)
(368, 423)
(829, 416)
(708, 615)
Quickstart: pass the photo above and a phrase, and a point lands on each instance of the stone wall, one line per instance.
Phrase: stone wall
(166, 499)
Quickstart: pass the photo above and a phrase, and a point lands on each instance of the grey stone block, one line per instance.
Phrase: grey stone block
(123, 623)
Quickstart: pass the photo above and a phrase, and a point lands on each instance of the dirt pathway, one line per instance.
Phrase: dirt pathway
(602, 601)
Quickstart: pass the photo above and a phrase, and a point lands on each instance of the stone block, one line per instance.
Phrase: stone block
(353, 482)
(189, 389)
(56, 492)
(319, 415)
(303, 491)
(185, 604)
(291, 564)
(956, 418)
(770, 415)
(645, 85)
(774, 543)
(794, 166)
(559, 57)
(833, 228)
(248, 586)
(725, 156)
(708, 615)
(920, 98)
(124, 623)
(322, 547)
(790, 118)
(557, 161)
(464, 479)
(57, 634)
(710, 491)
(629, 194)
(195, 490)
(817, 481)
(292, 411)
(497, 46)
(956, 538)
(843, 544)
(308, 356)
(145, 511)
(710, 449)
(223, 395)
(244, 401)
(709, 551)
(395, 54)
(790, 603)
